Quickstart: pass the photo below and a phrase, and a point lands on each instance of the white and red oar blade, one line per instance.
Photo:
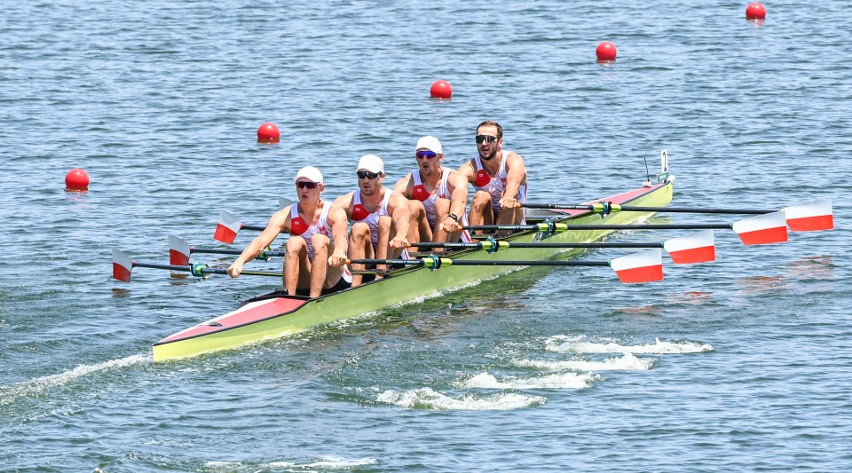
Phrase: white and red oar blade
(763, 229)
(226, 230)
(644, 266)
(178, 251)
(121, 265)
(810, 217)
(697, 248)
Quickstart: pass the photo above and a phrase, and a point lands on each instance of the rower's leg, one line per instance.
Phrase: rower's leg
(481, 212)
(295, 264)
(359, 241)
(418, 227)
(442, 210)
(319, 265)
(383, 249)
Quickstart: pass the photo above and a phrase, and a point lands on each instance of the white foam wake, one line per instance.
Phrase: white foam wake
(36, 386)
(426, 398)
(565, 344)
(329, 462)
(627, 362)
(554, 381)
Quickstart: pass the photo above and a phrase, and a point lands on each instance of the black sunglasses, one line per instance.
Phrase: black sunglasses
(368, 174)
(485, 138)
(306, 185)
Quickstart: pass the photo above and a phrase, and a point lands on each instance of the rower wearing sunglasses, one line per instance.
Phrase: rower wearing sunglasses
(316, 249)
(375, 212)
(499, 177)
(437, 196)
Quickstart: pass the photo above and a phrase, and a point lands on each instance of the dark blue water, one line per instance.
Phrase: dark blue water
(739, 365)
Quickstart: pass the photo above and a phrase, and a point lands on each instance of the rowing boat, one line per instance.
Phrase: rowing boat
(277, 314)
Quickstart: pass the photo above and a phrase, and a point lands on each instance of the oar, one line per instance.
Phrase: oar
(179, 251)
(698, 248)
(644, 266)
(760, 230)
(813, 216)
(229, 224)
(122, 265)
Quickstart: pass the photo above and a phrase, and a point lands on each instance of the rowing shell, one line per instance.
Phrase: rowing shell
(277, 314)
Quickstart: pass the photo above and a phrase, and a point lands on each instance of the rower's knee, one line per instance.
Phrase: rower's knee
(320, 243)
(360, 232)
(296, 245)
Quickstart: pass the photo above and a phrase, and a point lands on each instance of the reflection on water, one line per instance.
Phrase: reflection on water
(761, 284)
(811, 267)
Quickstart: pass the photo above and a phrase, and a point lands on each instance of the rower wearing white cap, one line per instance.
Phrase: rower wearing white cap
(316, 249)
(375, 212)
(437, 195)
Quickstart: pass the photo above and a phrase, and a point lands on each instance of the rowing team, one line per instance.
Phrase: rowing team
(428, 204)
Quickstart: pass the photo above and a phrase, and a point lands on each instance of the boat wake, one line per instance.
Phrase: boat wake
(627, 362)
(553, 381)
(426, 398)
(578, 344)
(37, 386)
(325, 463)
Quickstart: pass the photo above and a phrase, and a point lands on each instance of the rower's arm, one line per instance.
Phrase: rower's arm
(339, 234)
(516, 174)
(398, 207)
(404, 186)
(277, 223)
(458, 198)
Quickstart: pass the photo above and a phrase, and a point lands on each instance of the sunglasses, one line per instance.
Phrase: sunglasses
(368, 174)
(306, 185)
(426, 154)
(485, 138)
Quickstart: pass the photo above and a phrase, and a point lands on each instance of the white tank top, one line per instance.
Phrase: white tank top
(297, 226)
(360, 214)
(497, 185)
(440, 192)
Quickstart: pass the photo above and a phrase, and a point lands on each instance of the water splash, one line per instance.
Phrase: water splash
(554, 381)
(566, 344)
(627, 362)
(426, 398)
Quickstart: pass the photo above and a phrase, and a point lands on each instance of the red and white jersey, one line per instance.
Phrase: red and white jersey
(420, 193)
(497, 185)
(361, 214)
(299, 227)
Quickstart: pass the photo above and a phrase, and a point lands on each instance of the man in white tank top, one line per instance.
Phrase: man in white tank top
(375, 212)
(316, 249)
(437, 196)
(499, 177)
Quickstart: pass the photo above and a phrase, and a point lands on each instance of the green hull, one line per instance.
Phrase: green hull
(405, 286)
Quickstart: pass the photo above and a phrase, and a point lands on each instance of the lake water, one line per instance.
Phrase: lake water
(739, 365)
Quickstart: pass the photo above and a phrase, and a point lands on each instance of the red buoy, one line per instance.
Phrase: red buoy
(268, 133)
(441, 90)
(76, 180)
(755, 11)
(606, 52)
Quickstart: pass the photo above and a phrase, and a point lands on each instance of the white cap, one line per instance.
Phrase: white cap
(431, 143)
(372, 163)
(309, 172)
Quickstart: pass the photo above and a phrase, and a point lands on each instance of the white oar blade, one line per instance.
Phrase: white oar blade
(644, 266)
(763, 229)
(121, 265)
(284, 202)
(697, 248)
(178, 251)
(228, 227)
(811, 217)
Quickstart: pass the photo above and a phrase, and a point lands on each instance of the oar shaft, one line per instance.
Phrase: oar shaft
(258, 228)
(203, 269)
(430, 262)
(228, 251)
(606, 207)
(542, 244)
(561, 227)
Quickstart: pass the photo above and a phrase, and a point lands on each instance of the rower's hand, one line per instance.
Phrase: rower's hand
(235, 269)
(399, 242)
(337, 259)
(449, 225)
(509, 203)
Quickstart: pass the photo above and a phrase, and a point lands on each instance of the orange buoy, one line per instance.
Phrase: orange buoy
(755, 11)
(76, 180)
(606, 52)
(268, 133)
(441, 90)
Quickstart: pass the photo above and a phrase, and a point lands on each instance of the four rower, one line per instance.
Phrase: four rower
(316, 250)
(375, 212)
(428, 204)
(437, 195)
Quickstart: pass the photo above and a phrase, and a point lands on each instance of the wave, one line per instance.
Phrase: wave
(566, 344)
(426, 398)
(627, 362)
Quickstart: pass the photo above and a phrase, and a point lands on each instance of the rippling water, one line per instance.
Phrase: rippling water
(741, 365)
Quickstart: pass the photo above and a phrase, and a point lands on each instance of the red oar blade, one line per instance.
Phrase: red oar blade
(228, 227)
(810, 217)
(762, 229)
(178, 251)
(697, 248)
(121, 265)
(644, 266)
